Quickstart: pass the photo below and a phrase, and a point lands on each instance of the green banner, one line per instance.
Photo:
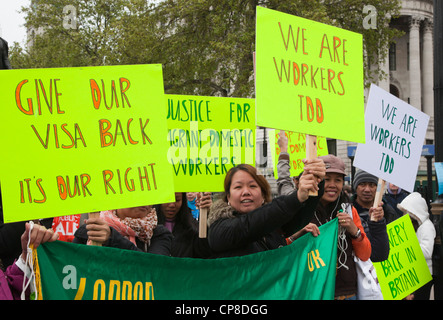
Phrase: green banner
(303, 270)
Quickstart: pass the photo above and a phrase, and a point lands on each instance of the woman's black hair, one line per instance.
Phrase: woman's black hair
(184, 215)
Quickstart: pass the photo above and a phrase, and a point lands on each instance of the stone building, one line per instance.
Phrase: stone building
(410, 68)
(411, 78)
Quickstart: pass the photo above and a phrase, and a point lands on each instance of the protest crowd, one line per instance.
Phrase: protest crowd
(242, 220)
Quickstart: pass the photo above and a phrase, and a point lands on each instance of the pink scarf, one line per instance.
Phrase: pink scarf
(141, 228)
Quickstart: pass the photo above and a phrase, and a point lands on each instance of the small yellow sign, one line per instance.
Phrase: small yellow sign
(296, 150)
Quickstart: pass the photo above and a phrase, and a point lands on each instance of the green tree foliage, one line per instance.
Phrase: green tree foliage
(205, 46)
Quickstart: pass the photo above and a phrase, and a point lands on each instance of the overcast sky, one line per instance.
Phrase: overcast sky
(12, 22)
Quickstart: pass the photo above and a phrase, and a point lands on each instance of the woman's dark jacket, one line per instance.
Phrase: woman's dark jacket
(233, 234)
(188, 244)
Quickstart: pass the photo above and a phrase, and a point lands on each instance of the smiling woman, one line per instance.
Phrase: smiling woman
(352, 239)
(247, 190)
(247, 221)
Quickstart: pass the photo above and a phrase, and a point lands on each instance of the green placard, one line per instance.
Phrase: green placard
(208, 136)
(406, 269)
(313, 73)
(77, 140)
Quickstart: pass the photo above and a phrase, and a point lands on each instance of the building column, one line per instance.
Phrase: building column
(414, 62)
(428, 69)
(384, 66)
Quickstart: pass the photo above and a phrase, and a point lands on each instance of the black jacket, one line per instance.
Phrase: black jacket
(231, 234)
(160, 242)
(376, 232)
(188, 244)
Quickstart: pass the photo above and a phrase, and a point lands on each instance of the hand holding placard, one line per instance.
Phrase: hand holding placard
(94, 215)
(314, 173)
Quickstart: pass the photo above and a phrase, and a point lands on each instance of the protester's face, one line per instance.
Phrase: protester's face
(171, 209)
(244, 193)
(191, 195)
(333, 186)
(366, 192)
(393, 188)
(135, 212)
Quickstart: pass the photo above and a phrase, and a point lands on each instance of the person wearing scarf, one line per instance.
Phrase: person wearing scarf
(134, 228)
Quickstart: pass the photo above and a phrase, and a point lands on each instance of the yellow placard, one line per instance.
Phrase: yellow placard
(313, 74)
(406, 269)
(208, 136)
(296, 150)
(78, 140)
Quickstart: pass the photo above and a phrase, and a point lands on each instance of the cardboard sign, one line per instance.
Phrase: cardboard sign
(395, 132)
(312, 73)
(296, 150)
(406, 269)
(208, 136)
(66, 226)
(78, 140)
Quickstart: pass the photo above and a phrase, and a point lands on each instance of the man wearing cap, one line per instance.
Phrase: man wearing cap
(374, 218)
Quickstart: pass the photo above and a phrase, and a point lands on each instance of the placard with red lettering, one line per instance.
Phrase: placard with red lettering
(309, 77)
(78, 140)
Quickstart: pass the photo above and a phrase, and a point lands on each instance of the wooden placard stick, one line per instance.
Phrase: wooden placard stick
(94, 215)
(311, 153)
(381, 186)
(202, 221)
